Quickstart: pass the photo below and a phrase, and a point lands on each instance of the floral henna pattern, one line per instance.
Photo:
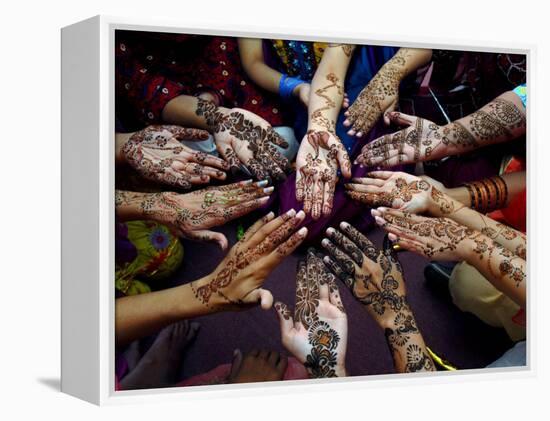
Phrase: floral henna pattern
(154, 150)
(321, 360)
(381, 91)
(259, 141)
(401, 191)
(417, 359)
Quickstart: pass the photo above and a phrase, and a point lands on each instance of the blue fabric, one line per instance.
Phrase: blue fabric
(287, 85)
(364, 65)
(514, 357)
(521, 91)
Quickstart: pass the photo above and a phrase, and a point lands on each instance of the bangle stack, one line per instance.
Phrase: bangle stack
(287, 85)
(488, 195)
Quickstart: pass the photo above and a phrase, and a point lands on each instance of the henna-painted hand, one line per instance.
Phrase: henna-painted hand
(317, 163)
(401, 191)
(435, 238)
(378, 98)
(237, 281)
(373, 276)
(245, 140)
(158, 155)
(421, 140)
(191, 215)
(317, 335)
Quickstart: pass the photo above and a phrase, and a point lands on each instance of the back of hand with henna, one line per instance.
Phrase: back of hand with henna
(375, 278)
(237, 281)
(244, 139)
(317, 333)
(158, 155)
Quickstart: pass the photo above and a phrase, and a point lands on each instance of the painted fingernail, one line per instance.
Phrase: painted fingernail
(302, 231)
(326, 259)
(374, 212)
(325, 242)
(269, 189)
(300, 215)
(379, 221)
(344, 225)
(270, 215)
(393, 237)
(264, 199)
(330, 231)
(291, 212)
(262, 183)
(246, 182)
(382, 209)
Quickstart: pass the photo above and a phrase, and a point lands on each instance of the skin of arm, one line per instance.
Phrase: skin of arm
(375, 279)
(442, 239)
(409, 193)
(501, 120)
(252, 59)
(235, 284)
(327, 87)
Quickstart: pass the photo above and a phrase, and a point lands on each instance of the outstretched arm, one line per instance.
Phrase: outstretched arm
(375, 278)
(381, 95)
(501, 120)
(235, 284)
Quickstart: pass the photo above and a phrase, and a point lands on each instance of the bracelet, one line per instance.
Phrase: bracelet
(488, 195)
(287, 85)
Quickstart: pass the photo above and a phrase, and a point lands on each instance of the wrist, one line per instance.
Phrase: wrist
(341, 371)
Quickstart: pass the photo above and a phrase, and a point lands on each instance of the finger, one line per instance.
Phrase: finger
(273, 358)
(343, 160)
(276, 138)
(328, 197)
(282, 365)
(256, 226)
(346, 245)
(300, 187)
(313, 273)
(273, 169)
(257, 169)
(316, 197)
(365, 188)
(244, 208)
(281, 234)
(208, 160)
(254, 194)
(334, 296)
(338, 271)
(174, 178)
(230, 157)
(308, 193)
(402, 119)
(261, 234)
(390, 109)
(383, 175)
(184, 133)
(367, 181)
(214, 173)
(261, 296)
(407, 243)
(207, 235)
(289, 245)
(285, 319)
(368, 198)
(360, 240)
(343, 259)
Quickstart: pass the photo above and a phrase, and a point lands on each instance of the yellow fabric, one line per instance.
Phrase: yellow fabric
(473, 293)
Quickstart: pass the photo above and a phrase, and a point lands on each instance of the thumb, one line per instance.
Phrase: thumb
(264, 296)
(184, 133)
(401, 119)
(207, 235)
(388, 111)
(285, 318)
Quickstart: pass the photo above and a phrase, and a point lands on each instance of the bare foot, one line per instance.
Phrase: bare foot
(161, 364)
(257, 366)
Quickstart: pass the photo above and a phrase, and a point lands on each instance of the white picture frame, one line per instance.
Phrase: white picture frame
(88, 129)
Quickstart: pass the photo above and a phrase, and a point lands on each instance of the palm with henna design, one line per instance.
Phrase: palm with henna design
(317, 334)
(237, 281)
(245, 139)
(319, 156)
(192, 214)
(401, 191)
(158, 155)
(375, 278)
